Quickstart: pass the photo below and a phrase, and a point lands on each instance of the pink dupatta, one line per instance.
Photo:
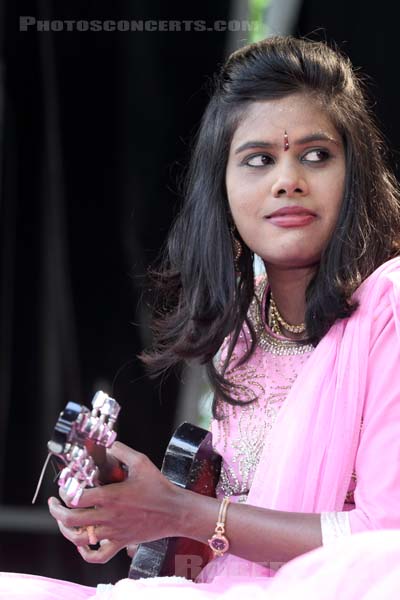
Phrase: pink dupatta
(309, 456)
(321, 418)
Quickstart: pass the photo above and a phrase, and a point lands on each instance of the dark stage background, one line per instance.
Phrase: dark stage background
(95, 132)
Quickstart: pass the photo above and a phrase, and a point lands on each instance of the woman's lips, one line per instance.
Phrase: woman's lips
(292, 216)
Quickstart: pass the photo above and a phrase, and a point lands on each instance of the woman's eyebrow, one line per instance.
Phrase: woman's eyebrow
(255, 144)
(312, 137)
(320, 136)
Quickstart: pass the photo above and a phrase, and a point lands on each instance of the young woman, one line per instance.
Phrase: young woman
(288, 166)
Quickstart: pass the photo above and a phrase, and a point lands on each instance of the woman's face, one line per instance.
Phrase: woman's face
(285, 180)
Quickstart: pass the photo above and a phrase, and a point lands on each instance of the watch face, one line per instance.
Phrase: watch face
(219, 543)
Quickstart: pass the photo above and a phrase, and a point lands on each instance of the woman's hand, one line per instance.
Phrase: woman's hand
(141, 508)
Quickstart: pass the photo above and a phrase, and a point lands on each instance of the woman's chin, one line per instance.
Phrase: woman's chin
(291, 262)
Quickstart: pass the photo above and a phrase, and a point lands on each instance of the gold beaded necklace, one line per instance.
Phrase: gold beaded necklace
(276, 321)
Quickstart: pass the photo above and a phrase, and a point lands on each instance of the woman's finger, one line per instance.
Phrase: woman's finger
(67, 499)
(131, 550)
(107, 550)
(126, 455)
(87, 497)
(79, 536)
(83, 526)
(75, 517)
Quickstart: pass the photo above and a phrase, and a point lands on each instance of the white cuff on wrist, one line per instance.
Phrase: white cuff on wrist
(334, 525)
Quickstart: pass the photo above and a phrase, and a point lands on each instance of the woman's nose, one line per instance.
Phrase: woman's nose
(289, 182)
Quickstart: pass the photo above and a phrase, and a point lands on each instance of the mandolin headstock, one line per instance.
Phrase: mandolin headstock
(79, 441)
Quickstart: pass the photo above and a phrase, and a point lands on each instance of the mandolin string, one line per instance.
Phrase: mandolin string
(46, 462)
(56, 472)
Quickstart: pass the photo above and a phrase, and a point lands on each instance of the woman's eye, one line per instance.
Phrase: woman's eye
(258, 160)
(316, 156)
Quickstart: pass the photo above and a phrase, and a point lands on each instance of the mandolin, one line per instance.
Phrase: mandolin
(79, 442)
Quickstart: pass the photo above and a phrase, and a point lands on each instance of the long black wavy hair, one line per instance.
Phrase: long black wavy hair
(200, 296)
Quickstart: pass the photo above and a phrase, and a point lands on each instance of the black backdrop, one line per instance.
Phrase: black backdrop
(95, 131)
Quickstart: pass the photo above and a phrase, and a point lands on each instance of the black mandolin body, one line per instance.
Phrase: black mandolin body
(189, 462)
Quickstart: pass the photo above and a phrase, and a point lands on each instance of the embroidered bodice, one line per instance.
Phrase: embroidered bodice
(240, 436)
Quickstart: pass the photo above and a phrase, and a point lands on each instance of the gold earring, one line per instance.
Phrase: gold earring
(237, 248)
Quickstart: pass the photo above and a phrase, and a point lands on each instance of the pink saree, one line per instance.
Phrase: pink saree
(343, 410)
(365, 566)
